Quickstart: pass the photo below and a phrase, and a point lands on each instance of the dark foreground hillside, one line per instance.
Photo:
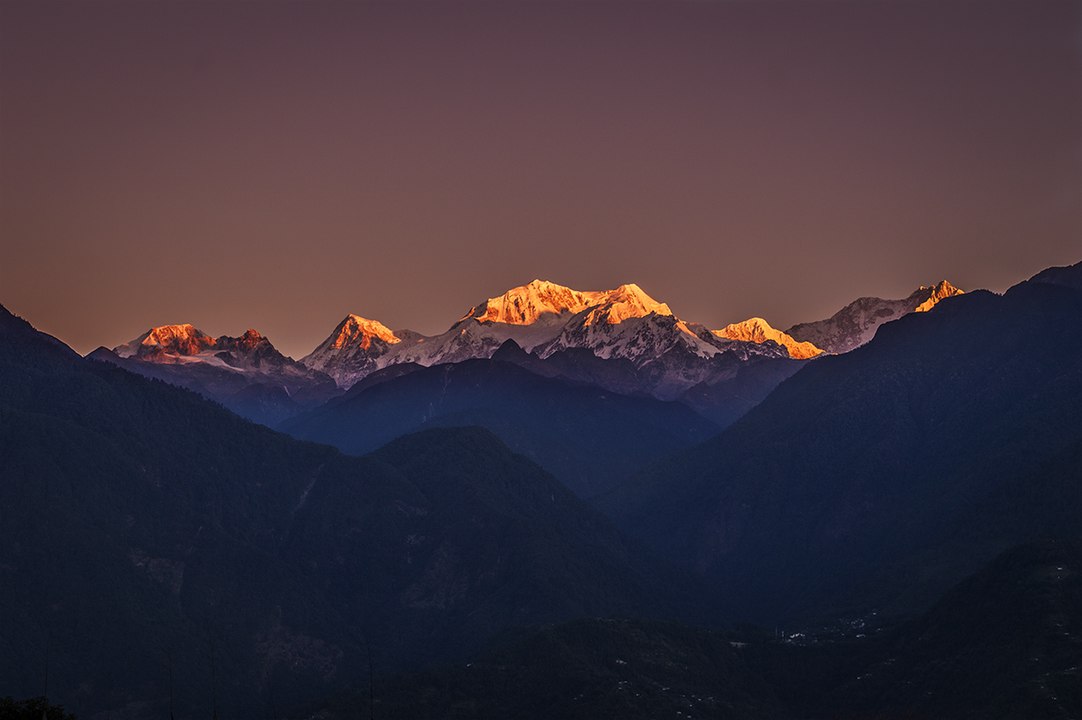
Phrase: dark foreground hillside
(1005, 643)
(872, 481)
(147, 534)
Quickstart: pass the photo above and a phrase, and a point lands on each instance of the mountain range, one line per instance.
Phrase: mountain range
(646, 350)
(146, 533)
(574, 513)
(544, 318)
(625, 323)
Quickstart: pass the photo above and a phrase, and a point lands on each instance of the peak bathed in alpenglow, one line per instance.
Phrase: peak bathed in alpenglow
(526, 304)
(188, 344)
(355, 348)
(940, 291)
(357, 330)
(545, 319)
(758, 330)
(183, 339)
(541, 300)
(540, 316)
(246, 374)
(623, 303)
(250, 339)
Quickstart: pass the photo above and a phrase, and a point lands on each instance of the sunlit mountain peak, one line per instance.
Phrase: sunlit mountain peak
(940, 291)
(355, 330)
(527, 304)
(182, 339)
(541, 300)
(758, 330)
(623, 303)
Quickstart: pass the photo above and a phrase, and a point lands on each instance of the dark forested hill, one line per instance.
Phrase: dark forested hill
(874, 479)
(143, 529)
(1004, 643)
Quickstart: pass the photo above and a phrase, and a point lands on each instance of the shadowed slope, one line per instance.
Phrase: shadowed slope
(876, 478)
(1004, 643)
(143, 527)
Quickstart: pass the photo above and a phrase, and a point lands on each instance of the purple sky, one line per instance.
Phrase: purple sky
(253, 164)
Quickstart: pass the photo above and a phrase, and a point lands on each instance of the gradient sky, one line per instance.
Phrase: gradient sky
(277, 165)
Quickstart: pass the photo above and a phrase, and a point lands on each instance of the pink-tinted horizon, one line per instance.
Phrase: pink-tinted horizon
(278, 165)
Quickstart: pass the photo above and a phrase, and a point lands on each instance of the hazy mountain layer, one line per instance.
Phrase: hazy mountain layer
(591, 439)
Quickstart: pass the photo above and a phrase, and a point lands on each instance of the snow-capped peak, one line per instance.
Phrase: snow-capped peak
(542, 300)
(758, 330)
(857, 322)
(623, 303)
(182, 339)
(186, 340)
(527, 304)
(941, 290)
(355, 330)
(249, 341)
(353, 350)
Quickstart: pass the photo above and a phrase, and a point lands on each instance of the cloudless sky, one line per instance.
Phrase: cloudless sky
(277, 165)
